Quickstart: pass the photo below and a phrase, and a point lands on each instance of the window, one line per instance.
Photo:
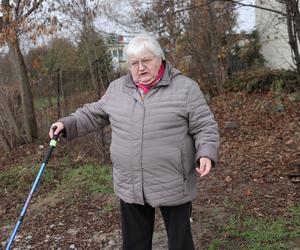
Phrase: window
(121, 53)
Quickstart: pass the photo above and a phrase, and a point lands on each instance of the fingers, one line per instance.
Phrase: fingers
(55, 129)
(204, 167)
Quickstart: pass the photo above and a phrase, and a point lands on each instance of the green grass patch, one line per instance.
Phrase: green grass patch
(259, 233)
(255, 233)
(10, 177)
(21, 178)
(108, 208)
(59, 183)
(92, 178)
(219, 244)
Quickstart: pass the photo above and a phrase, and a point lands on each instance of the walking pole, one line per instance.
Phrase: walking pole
(52, 145)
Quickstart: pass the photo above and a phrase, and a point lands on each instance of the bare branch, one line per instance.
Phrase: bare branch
(198, 6)
(35, 6)
(254, 6)
(18, 7)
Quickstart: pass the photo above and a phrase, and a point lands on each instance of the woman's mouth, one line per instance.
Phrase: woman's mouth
(142, 74)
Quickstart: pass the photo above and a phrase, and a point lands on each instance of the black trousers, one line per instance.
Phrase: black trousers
(138, 223)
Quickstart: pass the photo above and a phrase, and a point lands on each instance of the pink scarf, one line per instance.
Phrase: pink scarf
(144, 88)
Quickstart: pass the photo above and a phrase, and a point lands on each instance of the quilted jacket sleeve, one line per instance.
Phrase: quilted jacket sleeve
(202, 125)
(87, 119)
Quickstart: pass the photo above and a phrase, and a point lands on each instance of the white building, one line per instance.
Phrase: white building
(117, 51)
(272, 28)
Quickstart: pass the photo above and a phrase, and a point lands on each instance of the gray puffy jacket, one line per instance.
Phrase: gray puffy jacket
(156, 141)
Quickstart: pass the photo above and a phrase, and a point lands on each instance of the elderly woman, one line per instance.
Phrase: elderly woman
(163, 134)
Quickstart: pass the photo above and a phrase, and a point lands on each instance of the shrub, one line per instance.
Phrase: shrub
(263, 80)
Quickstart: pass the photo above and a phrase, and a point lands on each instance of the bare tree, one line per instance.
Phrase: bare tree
(83, 13)
(162, 18)
(127, 17)
(208, 41)
(11, 134)
(12, 24)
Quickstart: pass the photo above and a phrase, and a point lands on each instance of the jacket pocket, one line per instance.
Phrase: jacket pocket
(168, 162)
(164, 176)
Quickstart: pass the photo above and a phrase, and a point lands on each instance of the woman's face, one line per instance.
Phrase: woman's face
(144, 68)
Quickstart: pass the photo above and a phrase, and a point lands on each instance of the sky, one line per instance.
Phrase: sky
(246, 17)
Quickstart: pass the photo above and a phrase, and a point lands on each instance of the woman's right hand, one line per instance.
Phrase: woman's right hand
(56, 128)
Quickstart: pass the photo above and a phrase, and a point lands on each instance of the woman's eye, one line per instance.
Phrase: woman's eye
(146, 61)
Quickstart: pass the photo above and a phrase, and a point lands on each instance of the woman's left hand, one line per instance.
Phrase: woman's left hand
(204, 167)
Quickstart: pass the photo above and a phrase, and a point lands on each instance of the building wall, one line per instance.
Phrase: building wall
(273, 35)
(118, 57)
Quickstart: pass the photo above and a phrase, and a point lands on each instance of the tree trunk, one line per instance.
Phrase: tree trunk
(27, 98)
(4, 143)
(90, 62)
(49, 91)
(58, 93)
(292, 35)
(100, 83)
(7, 112)
(87, 47)
(218, 81)
(63, 93)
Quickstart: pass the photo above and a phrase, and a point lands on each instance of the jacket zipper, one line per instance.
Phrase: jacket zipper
(142, 141)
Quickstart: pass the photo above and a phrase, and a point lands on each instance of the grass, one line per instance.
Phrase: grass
(94, 179)
(20, 178)
(108, 208)
(256, 233)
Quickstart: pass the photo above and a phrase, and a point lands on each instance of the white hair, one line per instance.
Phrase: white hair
(143, 43)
